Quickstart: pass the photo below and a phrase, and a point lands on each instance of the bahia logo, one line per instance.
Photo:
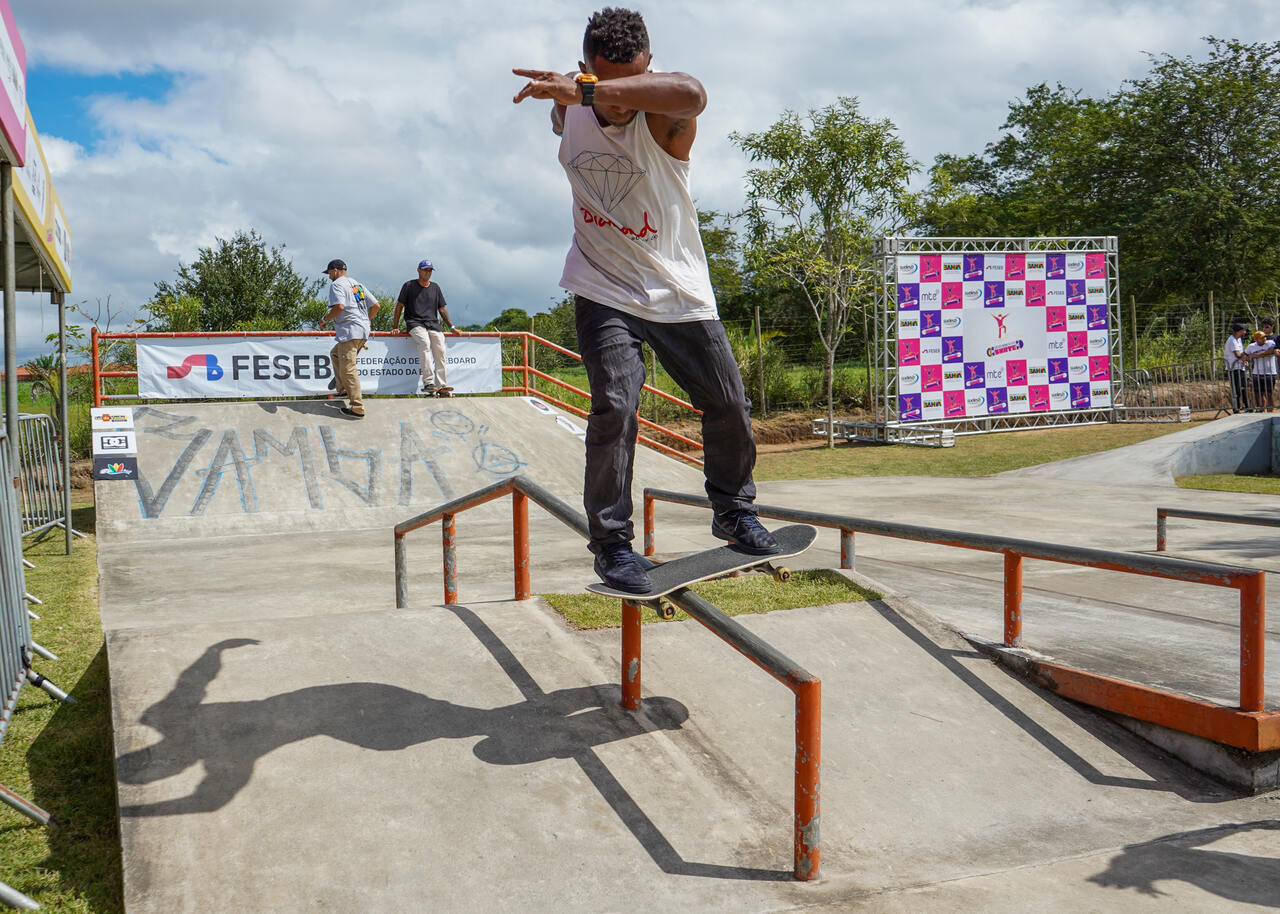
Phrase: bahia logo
(908, 322)
(1100, 391)
(1075, 316)
(1035, 263)
(931, 403)
(952, 374)
(212, 370)
(1037, 372)
(1013, 293)
(1017, 398)
(1096, 290)
(951, 267)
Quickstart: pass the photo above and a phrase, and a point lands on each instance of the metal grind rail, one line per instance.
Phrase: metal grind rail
(1162, 526)
(1250, 726)
(526, 370)
(806, 687)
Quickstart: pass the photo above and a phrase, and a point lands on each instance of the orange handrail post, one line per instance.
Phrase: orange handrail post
(1253, 640)
(649, 547)
(808, 787)
(848, 557)
(1012, 599)
(520, 541)
(448, 541)
(97, 378)
(524, 360)
(631, 655)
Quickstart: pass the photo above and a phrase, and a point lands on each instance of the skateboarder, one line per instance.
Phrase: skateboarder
(351, 308)
(423, 304)
(638, 273)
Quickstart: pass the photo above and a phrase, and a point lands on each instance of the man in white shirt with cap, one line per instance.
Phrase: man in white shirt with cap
(351, 308)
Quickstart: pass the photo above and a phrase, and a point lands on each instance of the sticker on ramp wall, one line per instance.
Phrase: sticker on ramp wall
(572, 426)
(117, 417)
(114, 443)
(539, 404)
(107, 468)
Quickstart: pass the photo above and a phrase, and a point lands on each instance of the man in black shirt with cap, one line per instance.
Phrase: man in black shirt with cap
(423, 305)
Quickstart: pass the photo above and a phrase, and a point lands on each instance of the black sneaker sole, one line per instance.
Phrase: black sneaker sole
(772, 550)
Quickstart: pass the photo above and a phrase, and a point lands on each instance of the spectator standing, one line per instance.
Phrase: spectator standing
(351, 308)
(1237, 369)
(423, 305)
(1261, 354)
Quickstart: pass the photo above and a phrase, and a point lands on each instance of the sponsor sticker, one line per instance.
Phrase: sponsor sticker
(114, 442)
(109, 468)
(112, 417)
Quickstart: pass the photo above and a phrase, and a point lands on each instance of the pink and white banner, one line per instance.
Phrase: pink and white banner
(13, 88)
(994, 334)
(197, 368)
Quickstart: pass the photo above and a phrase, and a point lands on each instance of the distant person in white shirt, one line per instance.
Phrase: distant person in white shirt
(1236, 366)
(1261, 354)
(351, 308)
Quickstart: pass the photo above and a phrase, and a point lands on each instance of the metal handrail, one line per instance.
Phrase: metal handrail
(807, 688)
(1162, 539)
(1249, 727)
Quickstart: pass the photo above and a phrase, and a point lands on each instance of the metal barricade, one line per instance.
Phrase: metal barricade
(40, 484)
(1202, 386)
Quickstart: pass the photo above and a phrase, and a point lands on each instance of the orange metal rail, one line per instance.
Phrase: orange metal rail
(806, 836)
(1162, 525)
(1249, 726)
(525, 370)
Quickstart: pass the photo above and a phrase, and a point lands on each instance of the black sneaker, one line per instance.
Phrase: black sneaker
(348, 411)
(743, 529)
(620, 568)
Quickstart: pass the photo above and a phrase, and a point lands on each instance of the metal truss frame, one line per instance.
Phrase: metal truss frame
(884, 345)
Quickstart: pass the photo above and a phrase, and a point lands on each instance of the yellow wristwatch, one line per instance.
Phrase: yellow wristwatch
(587, 86)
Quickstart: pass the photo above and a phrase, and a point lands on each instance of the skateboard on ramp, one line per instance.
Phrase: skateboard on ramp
(439, 392)
(721, 561)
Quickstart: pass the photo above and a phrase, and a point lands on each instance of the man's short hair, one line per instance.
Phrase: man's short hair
(1268, 322)
(617, 35)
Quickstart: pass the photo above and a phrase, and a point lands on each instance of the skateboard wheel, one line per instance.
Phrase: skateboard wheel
(665, 610)
(782, 575)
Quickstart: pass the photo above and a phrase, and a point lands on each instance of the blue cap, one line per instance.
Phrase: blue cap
(425, 265)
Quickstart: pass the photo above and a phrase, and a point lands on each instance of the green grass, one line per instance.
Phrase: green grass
(977, 455)
(752, 593)
(59, 756)
(1261, 484)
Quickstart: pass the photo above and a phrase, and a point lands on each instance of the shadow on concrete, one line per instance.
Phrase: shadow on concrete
(1165, 774)
(1242, 878)
(227, 738)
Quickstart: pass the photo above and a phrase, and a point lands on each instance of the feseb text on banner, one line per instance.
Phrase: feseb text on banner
(300, 366)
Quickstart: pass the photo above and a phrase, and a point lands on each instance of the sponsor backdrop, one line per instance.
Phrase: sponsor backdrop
(993, 334)
(194, 368)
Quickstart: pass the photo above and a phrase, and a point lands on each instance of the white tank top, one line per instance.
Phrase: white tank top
(636, 245)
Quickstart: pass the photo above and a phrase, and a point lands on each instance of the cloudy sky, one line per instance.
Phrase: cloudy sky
(383, 131)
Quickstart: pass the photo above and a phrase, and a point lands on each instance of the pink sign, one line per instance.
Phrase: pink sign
(13, 88)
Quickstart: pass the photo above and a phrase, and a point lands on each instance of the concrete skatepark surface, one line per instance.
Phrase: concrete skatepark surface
(286, 741)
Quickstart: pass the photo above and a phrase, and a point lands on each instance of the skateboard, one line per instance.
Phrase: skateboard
(439, 392)
(714, 563)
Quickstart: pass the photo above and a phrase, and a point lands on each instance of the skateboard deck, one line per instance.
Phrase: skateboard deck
(714, 563)
(439, 392)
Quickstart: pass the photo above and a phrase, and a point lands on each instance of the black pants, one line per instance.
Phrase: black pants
(697, 356)
(1263, 385)
(1238, 397)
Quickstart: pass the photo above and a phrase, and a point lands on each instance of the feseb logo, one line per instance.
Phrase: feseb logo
(953, 349)
(1055, 266)
(953, 404)
(206, 360)
(1058, 371)
(1097, 317)
(997, 400)
(909, 408)
(973, 267)
(975, 374)
(1035, 293)
(1099, 368)
(1039, 396)
(1079, 396)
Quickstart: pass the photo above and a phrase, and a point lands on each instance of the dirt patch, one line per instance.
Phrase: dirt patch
(779, 432)
(82, 477)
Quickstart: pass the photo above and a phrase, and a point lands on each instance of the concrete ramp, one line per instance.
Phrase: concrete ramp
(213, 469)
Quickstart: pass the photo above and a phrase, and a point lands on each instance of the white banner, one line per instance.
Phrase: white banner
(300, 366)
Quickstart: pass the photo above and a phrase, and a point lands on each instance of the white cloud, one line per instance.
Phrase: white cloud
(384, 132)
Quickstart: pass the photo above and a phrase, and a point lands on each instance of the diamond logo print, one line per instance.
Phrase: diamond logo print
(611, 177)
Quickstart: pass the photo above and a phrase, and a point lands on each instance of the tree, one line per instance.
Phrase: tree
(820, 194)
(240, 285)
